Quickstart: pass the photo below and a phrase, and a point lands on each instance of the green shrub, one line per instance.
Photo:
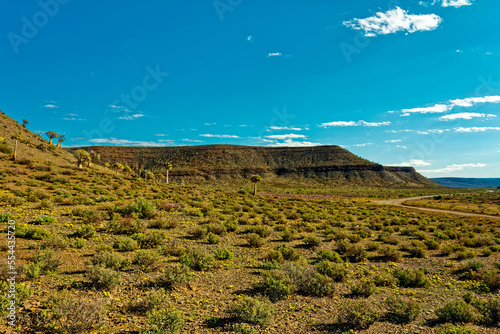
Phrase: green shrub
(277, 285)
(457, 311)
(46, 260)
(213, 239)
(175, 275)
(411, 278)
(223, 254)
(356, 253)
(468, 270)
(43, 220)
(77, 315)
(147, 260)
(35, 233)
(243, 329)
(311, 241)
(78, 243)
(198, 259)
(335, 271)
(454, 329)
(288, 253)
(142, 208)
(390, 253)
(125, 244)
(255, 241)
(251, 310)
(384, 279)
(330, 256)
(491, 279)
(110, 260)
(4, 148)
(198, 232)
(358, 314)
(86, 231)
(165, 321)
(57, 242)
(101, 277)
(289, 234)
(363, 288)
(312, 283)
(402, 311)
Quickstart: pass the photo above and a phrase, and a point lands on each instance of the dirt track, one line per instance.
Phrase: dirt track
(399, 203)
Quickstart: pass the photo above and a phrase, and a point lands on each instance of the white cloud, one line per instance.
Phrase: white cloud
(218, 136)
(437, 108)
(278, 54)
(463, 115)
(73, 119)
(115, 141)
(402, 146)
(447, 106)
(251, 39)
(193, 140)
(161, 135)
(477, 129)
(291, 143)
(51, 106)
(393, 141)
(287, 136)
(210, 123)
(363, 145)
(393, 21)
(131, 117)
(285, 128)
(456, 3)
(352, 123)
(413, 163)
(453, 168)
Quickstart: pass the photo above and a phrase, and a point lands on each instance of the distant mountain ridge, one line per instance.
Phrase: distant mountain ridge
(462, 182)
(328, 163)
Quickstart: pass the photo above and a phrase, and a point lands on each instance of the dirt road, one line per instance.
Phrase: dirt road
(399, 202)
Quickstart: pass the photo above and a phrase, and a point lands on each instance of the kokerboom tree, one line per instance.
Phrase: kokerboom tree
(82, 158)
(118, 167)
(255, 179)
(168, 166)
(51, 135)
(60, 140)
(16, 137)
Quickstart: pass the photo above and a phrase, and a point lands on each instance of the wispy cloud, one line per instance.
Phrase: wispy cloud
(278, 54)
(218, 136)
(393, 21)
(413, 163)
(464, 115)
(287, 136)
(352, 123)
(393, 141)
(51, 106)
(73, 119)
(115, 141)
(363, 145)
(251, 39)
(477, 129)
(131, 117)
(192, 140)
(451, 104)
(290, 128)
(453, 168)
(161, 135)
(456, 3)
(291, 143)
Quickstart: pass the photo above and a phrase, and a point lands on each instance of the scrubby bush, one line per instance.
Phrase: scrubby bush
(330, 256)
(454, 329)
(311, 241)
(126, 244)
(147, 260)
(255, 241)
(390, 253)
(110, 260)
(335, 271)
(251, 310)
(363, 288)
(411, 278)
(101, 277)
(358, 314)
(198, 259)
(165, 321)
(457, 311)
(223, 254)
(402, 311)
(175, 275)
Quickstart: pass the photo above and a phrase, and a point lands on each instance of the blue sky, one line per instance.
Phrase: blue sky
(396, 82)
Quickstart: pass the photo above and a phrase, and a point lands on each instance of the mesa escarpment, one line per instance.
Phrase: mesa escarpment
(323, 163)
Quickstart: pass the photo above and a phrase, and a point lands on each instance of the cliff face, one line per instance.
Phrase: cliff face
(326, 163)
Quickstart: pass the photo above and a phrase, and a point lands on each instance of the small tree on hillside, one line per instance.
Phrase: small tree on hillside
(82, 158)
(16, 137)
(51, 135)
(150, 176)
(25, 122)
(255, 179)
(60, 140)
(118, 167)
(168, 166)
(127, 170)
(107, 165)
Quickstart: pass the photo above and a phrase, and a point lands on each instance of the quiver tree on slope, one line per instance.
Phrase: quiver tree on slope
(60, 140)
(127, 170)
(51, 135)
(25, 122)
(16, 137)
(118, 167)
(168, 166)
(255, 179)
(82, 158)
